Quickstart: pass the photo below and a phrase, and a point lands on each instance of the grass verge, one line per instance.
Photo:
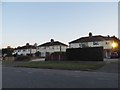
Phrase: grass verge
(64, 65)
(7, 62)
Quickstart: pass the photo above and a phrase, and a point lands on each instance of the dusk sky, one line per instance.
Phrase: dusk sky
(38, 22)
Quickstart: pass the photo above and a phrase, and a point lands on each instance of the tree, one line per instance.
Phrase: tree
(7, 51)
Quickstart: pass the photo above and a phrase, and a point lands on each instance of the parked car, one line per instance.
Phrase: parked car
(114, 55)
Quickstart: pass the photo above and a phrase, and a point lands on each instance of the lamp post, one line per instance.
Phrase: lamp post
(60, 53)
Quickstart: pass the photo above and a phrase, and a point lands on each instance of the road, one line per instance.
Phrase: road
(0, 75)
(13, 77)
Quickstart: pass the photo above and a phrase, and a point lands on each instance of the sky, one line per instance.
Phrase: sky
(38, 22)
(0, 25)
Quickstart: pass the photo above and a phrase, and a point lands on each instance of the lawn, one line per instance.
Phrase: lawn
(65, 65)
(7, 62)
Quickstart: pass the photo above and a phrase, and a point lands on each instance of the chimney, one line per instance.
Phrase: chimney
(35, 44)
(27, 44)
(52, 40)
(108, 35)
(90, 34)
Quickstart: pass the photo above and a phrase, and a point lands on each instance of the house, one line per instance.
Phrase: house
(48, 48)
(25, 50)
(109, 44)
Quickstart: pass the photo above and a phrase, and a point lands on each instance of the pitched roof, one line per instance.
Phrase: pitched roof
(52, 43)
(88, 39)
(92, 38)
(27, 47)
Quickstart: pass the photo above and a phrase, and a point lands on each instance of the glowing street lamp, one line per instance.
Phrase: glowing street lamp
(114, 45)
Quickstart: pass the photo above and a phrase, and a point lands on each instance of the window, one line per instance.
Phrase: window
(107, 42)
(24, 50)
(79, 44)
(95, 43)
(53, 47)
(58, 47)
(43, 47)
(47, 53)
(84, 45)
(42, 54)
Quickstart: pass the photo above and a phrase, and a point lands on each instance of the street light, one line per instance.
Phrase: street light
(114, 45)
(60, 53)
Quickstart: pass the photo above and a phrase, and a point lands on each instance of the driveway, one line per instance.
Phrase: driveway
(110, 67)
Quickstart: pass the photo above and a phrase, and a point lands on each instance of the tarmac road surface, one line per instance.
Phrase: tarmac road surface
(14, 77)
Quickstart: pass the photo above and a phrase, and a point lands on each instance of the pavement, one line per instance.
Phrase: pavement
(36, 60)
(110, 67)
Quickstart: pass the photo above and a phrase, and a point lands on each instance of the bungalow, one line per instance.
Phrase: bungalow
(25, 50)
(109, 44)
(50, 47)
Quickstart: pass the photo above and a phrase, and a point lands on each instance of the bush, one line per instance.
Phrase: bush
(9, 55)
(22, 58)
(37, 54)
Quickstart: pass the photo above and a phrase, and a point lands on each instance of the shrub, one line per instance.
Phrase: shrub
(22, 58)
(37, 54)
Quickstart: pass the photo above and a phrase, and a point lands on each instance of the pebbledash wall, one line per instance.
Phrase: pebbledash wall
(25, 51)
(51, 49)
(85, 54)
(90, 44)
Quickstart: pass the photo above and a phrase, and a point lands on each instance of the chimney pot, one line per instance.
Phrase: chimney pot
(90, 34)
(52, 40)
